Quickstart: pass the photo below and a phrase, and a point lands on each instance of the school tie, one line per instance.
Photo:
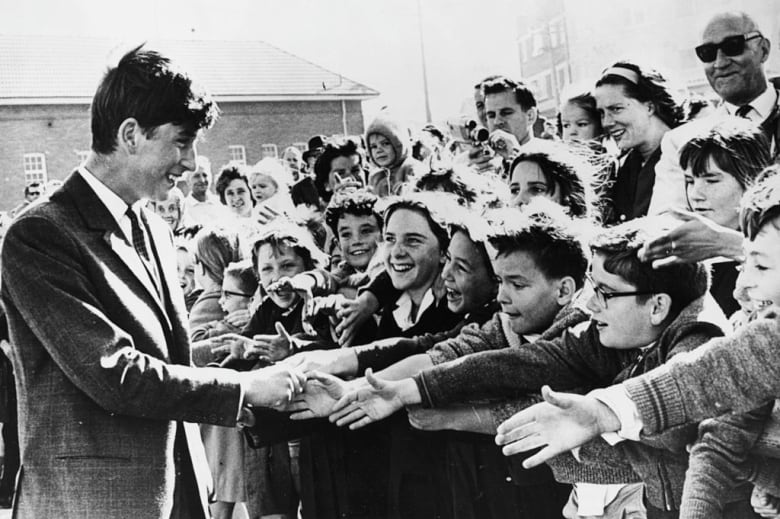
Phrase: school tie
(138, 236)
(743, 111)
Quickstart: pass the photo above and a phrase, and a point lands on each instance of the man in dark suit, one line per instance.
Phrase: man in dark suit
(98, 325)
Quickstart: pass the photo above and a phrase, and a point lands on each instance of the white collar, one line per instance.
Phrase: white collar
(761, 106)
(115, 205)
(403, 309)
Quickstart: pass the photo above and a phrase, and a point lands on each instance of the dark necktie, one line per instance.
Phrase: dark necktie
(138, 236)
(743, 111)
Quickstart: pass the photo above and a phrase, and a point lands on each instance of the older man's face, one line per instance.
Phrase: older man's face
(199, 181)
(736, 79)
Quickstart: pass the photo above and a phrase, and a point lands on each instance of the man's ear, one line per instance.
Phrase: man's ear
(127, 135)
(660, 308)
(566, 290)
(765, 47)
(532, 114)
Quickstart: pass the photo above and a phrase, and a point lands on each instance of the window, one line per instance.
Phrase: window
(538, 44)
(548, 86)
(82, 156)
(301, 146)
(269, 150)
(524, 43)
(561, 77)
(34, 168)
(237, 154)
(553, 35)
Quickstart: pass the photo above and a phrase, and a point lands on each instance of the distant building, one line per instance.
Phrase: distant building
(270, 99)
(570, 41)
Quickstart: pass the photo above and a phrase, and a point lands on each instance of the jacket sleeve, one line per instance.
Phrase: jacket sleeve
(719, 461)
(58, 313)
(576, 359)
(737, 373)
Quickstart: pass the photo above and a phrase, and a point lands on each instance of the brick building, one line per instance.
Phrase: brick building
(269, 99)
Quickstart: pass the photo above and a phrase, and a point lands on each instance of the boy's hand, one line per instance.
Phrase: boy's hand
(320, 394)
(559, 424)
(367, 405)
(765, 504)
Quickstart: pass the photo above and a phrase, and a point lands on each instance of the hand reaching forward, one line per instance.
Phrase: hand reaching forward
(273, 386)
(370, 404)
(765, 504)
(560, 423)
(339, 362)
(320, 394)
(694, 238)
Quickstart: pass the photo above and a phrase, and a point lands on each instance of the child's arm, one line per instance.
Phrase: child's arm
(718, 461)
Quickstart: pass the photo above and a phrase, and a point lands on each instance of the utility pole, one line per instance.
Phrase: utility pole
(424, 68)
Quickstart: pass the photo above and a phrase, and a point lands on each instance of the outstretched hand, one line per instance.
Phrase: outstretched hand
(351, 315)
(272, 386)
(320, 394)
(695, 238)
(560, 423)
(366, 405)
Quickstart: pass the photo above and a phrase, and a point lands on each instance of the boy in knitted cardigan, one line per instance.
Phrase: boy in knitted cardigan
(641, 318)
(735, 374)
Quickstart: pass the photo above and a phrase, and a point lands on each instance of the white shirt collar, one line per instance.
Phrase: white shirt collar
(761, 106)
(115, 205)
(403, 309)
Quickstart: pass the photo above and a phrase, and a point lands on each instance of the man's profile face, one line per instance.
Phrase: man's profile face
(199, 181)
(162, 157)
(503, 112)
(479, 104)
(736, 79)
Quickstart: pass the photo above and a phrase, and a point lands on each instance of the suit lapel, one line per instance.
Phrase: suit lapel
(97, 217)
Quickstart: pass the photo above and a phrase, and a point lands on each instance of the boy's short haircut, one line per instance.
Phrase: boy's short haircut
(243, 271)
(360, 202)
(761, 204)
(736, 145)
(683, 283)
(145, 86)
(283, 234)
(523, 95)
(543, 231)
(437, 208)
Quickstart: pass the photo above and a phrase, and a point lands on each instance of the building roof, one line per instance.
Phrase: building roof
(65, 70)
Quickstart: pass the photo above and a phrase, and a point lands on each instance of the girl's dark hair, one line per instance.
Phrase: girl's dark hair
(644, 85)
(333, 150)
(561, 168)
(738, 147)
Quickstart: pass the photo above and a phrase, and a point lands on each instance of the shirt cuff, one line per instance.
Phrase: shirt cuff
(618, 400)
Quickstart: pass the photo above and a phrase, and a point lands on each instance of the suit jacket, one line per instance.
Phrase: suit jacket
(103, 366)
(669, 188)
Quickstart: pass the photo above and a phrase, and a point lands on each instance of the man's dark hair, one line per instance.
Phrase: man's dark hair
(523, 95)
(544, 232)
(144, 86)
(683, 282)
(357, 203)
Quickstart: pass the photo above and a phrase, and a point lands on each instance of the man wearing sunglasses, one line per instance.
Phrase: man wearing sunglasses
(733, 51)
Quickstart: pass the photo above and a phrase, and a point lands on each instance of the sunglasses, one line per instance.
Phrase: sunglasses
(731, 46)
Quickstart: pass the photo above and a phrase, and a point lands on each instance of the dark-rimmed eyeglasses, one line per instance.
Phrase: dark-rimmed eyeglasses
(226, 293)
(602, 296)
(731, 46)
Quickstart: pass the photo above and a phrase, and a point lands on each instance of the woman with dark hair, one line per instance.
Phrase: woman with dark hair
(234, 190)
(339, 166)
(553, 171)
(637, 109)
